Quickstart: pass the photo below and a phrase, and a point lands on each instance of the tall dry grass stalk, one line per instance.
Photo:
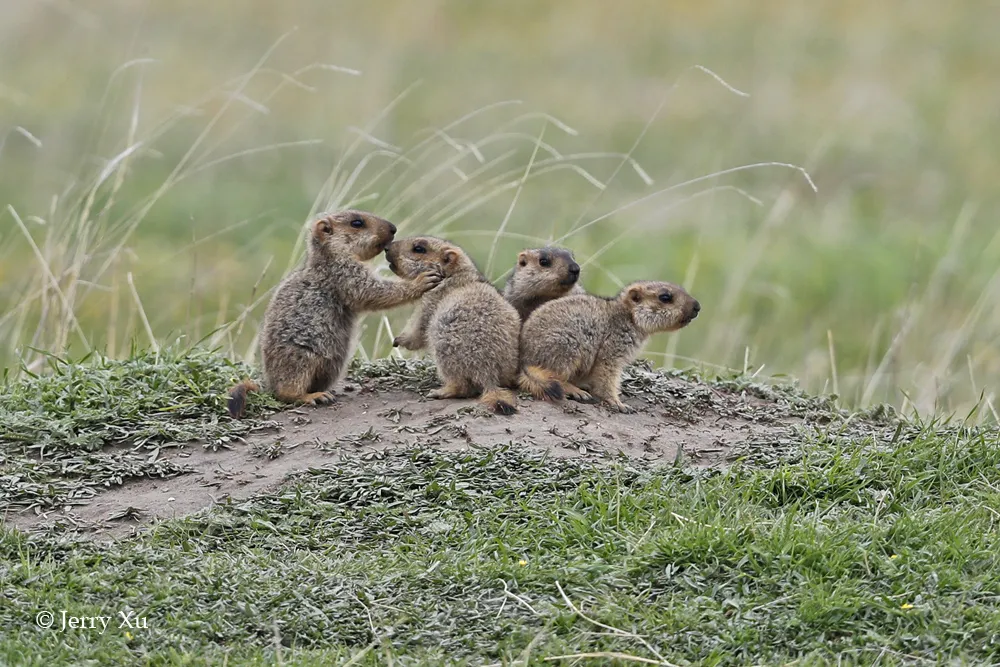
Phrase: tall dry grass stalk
(83, 248)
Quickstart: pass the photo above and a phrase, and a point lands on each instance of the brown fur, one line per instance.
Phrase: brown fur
(539, 276)
(582, 342)
(541, 383)
(309, 327)
(238, 397)
(466, 324)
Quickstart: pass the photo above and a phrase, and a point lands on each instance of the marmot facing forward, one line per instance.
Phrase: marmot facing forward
(541, 275)
(309, 327)
(466, 324)
(578, 346)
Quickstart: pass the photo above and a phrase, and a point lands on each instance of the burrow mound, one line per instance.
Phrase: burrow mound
(679, 420)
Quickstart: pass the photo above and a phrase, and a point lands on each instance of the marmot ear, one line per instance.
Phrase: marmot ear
(323, 226)
(522, 258)
(449, 256)
(634, 294)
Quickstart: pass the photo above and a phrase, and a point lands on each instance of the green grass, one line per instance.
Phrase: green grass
(99, 422)
(872, 539)
(163, 200)
(847, 552)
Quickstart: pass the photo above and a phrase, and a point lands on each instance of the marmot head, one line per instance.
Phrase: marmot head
(363, 235)
(656, 306)
(412, 256)
(544, 272)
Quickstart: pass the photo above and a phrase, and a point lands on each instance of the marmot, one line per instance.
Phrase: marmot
(577, 346)
(541, 275)
(310, 325)
(470, 330)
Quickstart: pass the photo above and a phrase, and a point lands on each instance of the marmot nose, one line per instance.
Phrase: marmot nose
(392, 229)
(574, 268)
(696, 308)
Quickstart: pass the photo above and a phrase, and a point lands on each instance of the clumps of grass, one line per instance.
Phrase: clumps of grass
(640, 378)
(149, 398)
(269, 450)
(65, 479)
(395, 373)
(688, 395)
(65, 433)
(810, 419)
(878, 553)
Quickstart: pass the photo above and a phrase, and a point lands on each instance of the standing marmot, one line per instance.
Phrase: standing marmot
(468, 326)
(581, 343)
(541, 275)
(310, 325)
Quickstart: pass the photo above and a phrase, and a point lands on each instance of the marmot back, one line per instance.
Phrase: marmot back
(539, 276)
(471, 331)
(308, 335)
(578, 346)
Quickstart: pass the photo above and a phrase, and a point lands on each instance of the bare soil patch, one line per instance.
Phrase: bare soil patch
(678, 421)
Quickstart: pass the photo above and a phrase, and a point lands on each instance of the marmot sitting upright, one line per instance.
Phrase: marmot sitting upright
(467, 325)
(310, 325)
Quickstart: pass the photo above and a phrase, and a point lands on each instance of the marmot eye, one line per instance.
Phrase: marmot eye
(666, 297)
(544, 261)
(419, 249)
(357, 223)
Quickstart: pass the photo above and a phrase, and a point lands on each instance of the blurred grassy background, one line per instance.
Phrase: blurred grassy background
(184, 144)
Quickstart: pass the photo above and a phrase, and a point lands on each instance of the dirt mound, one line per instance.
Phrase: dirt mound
(678, 421)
